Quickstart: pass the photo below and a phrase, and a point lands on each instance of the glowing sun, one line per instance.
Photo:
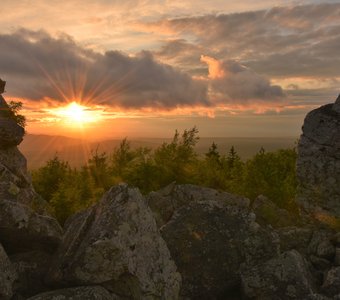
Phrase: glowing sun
(76, 114)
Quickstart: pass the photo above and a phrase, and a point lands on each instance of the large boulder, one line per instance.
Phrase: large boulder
(12, 159)
(166, 201)
(116, 244)
(17, 187)
(31, 268)
(331, 285)
(284, 277)
(15, 181)
(7, 275)
(22, 229)
(210, 237)
(11, 134)
(318, 164)
(78, 293)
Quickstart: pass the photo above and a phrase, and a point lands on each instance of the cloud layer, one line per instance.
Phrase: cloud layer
(282, 41)
(38, 66)
(234, 83)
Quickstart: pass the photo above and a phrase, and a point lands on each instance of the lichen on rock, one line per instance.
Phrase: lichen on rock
(318, 164)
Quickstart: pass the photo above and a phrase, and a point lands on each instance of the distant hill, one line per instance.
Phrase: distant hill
(40, 148)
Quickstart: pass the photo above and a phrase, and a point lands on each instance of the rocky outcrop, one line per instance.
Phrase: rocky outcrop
(166, 201)
(25, 224)
(210, 235)
(127, 246)
(318, 165)
(116, 244)
(7, 275)
(78, 293)
(21, 229)
(11, 134)
(31, 269)
(284, 277)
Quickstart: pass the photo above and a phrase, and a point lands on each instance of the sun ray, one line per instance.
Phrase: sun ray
(76, 114)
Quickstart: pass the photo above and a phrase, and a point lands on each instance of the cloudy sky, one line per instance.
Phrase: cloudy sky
(148, 67)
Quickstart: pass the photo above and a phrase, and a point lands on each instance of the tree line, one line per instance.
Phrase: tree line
(69, 190)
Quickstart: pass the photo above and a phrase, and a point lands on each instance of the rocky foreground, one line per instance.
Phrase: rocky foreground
(182, 242)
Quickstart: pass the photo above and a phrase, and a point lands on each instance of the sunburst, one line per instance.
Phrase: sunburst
(76, 114)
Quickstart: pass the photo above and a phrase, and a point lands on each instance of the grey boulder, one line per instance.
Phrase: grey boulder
(116, 244)
(11, 134)
(210, 237)
(77, 293)
(22, 229)
(7, 276)
(318, 163)
(284, 277)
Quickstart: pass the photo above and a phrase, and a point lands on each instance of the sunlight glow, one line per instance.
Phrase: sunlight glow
(76, 114)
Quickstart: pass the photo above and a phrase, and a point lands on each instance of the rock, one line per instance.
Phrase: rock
(269, 213)
(22, 229)
(166, 201)
(19, 189)
(319, 297)
(7, 275)
(2, 86)
(11, 134)
(336, 105)
(297, 238)
(318, 163)
(31, 268)
(337, 257)
(116, 244)
(210, 238)
(12, 159)
(321, 245)
(77, 293)
(320, 264)
(285, 277)
(336, 239)
(331, 285)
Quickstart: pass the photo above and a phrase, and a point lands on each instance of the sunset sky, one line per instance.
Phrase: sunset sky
(143, 68)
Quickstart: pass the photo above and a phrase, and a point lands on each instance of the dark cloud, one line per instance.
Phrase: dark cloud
(231, 82)
(282, 41)
(39, 66)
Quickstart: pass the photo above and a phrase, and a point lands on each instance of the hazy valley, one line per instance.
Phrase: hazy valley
(40, 148)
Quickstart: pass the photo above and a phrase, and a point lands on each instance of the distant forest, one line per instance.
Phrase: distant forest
(69, 189)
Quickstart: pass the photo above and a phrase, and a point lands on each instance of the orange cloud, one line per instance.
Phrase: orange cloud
(215, 67)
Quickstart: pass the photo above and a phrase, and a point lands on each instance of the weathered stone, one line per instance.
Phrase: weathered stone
(116, 244)
(11, 134)
(318, 164)
(320, 264)
(321, 245)
(77, 293)
(331, 285)
(210, 238)
(7, 275)
(22, 229)
(336, 105)
(336, 239)
(15, 162)
(19, 189)
(31, 268)
(285, 277)
(166, 201)
(319, 297)
(337, 257)
(269, 213)
(297, 238)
